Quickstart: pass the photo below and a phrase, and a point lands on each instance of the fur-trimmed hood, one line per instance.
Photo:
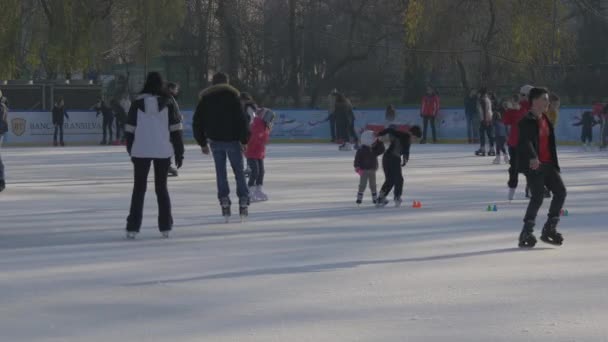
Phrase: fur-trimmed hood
(217, 88)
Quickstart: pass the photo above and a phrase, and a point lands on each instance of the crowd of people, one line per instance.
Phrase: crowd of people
(231, 126)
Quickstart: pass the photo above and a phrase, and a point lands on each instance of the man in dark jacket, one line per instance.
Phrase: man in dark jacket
(59, 113)
(396, 156)
(219, 118)
(537, 159)
(3, 130)
(470, 111)
(108, 119)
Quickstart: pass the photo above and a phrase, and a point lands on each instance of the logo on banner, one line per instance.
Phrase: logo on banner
(18, 126)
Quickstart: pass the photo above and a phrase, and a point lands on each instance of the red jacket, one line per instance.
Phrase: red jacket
(512, 118)
(430, 105)
(258, 138)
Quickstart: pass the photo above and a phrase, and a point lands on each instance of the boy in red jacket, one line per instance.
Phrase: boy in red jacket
(256, 152)
(428, 111)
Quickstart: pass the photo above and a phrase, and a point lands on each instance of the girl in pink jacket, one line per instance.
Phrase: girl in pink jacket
(256, 152)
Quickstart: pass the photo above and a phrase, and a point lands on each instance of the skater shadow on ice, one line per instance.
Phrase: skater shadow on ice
(334, 266)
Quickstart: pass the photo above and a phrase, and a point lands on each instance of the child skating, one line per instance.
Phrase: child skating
(395, 157)
(256, 152)
(366, 164)
(586, 122)
(500, 134)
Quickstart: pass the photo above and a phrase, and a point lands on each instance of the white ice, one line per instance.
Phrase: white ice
(308, 265)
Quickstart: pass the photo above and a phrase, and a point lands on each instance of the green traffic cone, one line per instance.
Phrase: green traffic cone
(489, 207)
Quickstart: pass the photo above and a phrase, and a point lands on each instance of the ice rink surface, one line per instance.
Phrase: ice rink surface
(308, 265)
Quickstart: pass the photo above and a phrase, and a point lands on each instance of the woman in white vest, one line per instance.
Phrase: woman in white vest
(154, 135)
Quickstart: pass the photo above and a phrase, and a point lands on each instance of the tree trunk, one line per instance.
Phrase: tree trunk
(230, 53)
(294, 85)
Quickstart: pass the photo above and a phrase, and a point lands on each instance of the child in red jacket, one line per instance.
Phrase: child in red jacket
(256, 152)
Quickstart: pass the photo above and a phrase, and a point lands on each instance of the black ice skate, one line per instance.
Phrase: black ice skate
(359, 198)
(550, 234)
(173, 172)
(374, 198)
(244, 208)
(492, 153)
(397, 202)
(226, 212)
(381, 202)
(526, 237)
(481, 152)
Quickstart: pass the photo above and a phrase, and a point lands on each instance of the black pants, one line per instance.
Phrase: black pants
(546, 176)
(332, 127)
(353, 133)
(120, 130)
(58, 129)
(513, 174)
(107, 128)
(426, 120)
(500, 145)
(486, 130)
(141, 167)
(587, 135)
(256, 177)
(394, 176)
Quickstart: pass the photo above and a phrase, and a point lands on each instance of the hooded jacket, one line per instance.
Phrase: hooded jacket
(219, 116)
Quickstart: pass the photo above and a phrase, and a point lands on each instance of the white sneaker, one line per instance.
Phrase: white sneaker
(131, 235)
(512, 193)
(506, 159)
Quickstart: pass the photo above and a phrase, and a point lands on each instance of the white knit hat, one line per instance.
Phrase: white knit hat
(525, 90)
(367, 138)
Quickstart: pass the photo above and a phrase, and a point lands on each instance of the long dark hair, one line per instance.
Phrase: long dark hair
(154, 84)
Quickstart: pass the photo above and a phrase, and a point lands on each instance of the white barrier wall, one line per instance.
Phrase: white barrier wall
(85, 128)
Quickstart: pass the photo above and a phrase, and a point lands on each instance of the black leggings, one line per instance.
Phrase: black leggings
(141, 167)
(393, 174)
(256, 177)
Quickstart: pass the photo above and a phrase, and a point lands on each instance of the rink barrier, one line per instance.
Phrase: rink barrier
(34, 128)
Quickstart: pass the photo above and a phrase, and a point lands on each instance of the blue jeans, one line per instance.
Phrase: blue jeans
(231, 150)
(1, 165)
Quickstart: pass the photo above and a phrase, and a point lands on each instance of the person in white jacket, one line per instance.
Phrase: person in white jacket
(484, 108)
(154, 135)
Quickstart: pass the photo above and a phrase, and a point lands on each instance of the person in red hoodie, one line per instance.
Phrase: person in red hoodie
(256, 152)
(428, 111)
(511, 118)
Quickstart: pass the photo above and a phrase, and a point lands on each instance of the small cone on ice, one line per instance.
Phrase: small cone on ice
(489, 207)
(418, 205)
(566, 212)
(415, 204)
(495, 208)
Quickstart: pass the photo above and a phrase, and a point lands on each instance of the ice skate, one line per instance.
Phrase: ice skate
(374, 198)
(511, 195)
(165, 234)
(2, 185)
(359, 198)
(481, 152)
(526, 237)
(254, 195)
(244, 208)
(496, 160)
(381, 202)
(550, 234)
(172, 172)
(131, 235)
(506, 159)
(261, 194)
(226, 212)
(346, 147)
(397, 202)
(492, 153)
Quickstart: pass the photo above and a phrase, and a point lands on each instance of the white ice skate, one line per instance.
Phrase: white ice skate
(346, 147)
(254, 195)
(511, 193)
(165, 234)
(506, 159)
(496, 160)
(131, 235)
(260, 194)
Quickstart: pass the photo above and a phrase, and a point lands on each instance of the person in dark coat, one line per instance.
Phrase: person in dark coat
(3, 130)
(58, 115)
(345, 117)
(103, 108)
(219, 123)
(471, 115)
(587, 122)
(537, 159)
(394, 159)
